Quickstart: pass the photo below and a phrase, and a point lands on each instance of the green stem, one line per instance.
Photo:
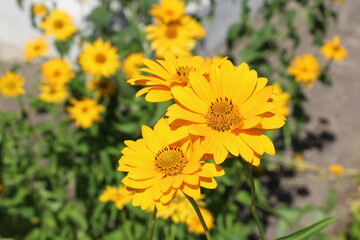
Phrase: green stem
(152, 224)
(202, 221)
(248, 171)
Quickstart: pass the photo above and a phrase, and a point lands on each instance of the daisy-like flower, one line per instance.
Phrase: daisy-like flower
(103, 88)
(163, 162)
(178, 37)
(132, 64)
(281, 99)
(336, 169)
(168, 10)
(11, 84)
(85, 112)
(334, 50)
(56, 71)
(39, 9)
(59, 24)
(167, 74)
(99, 58)
(54, 93)
(35, 48)
(194, 224)
(229, 111)
(305, 69)
(120, 196)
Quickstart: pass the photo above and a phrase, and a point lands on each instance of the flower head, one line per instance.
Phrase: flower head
(35, 48)
(178, 37)
(59, 24)
(229, 111)
(54, 93)
(39, 9)
(281, 99)
(166, 74)
(11, 84)
(120, 196)
(85, 112)
(306, 69)
(132, 64)
(334, 50)
(99, 58)
(168, 10)
(194, 223)
(163, 162)
(336, 169)
(103, 88)
(56, 71)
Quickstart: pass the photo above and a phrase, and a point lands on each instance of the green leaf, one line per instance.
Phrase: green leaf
(63, 47)
(306, 233)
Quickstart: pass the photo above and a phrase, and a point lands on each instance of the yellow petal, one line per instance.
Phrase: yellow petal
(201, 87)
(209, 183)
(151, 139)
(191, 179)
(158, 94)
(192, 191)
(187, 98)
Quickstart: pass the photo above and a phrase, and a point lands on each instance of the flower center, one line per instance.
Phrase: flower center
(172, 29)
(170, 161)
(100, 58)
(223, 115)
(103, 85)
(58, 24)
(11, 85)
(182, 75)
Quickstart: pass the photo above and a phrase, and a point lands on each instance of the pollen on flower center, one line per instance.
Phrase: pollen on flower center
(172, 29)
(170, 161)
(100, 58)
(58, 24)
(223, 115)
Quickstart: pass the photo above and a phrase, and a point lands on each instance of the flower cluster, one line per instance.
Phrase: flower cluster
(11, 84)
(173, 31)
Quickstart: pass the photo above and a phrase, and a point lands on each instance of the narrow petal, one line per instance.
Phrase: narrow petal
(151, 139)
(160, 94)
(188, 99)
(192, 191)
(209, 183)
(191, 179)
(201, 87)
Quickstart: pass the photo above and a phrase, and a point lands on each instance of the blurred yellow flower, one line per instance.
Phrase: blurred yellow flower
(56, 71)
(334, 50)
(168, 10)
(229, 110)
(163, 162)
(300, 162)
(132, 64)
(281, 99)
(336, 169)
(11, 84)
(59, 24)
(178, 37)
(85, 112)
(120, 196)
(54, 93)
(35, 48)
(194, 223)
(340, 1)
(39, 9)
(99, 58)
(102, 88)
(305, 69)
(167, 74)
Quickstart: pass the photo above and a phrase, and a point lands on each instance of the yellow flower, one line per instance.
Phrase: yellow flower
(281, 99)
(56, 71)
(11, 84)
(59, 24)
(177, 37)
(306, 69)
(194, 223)
(162, 162)
(103, 88)
(85, 112)
(340, 1)
(168, 10)
(229, 110)
(39, 9)
(132, 64)
(120, 196)
(333, 49)
(35, 48)
(99, 58)
(54, 93)
(167, 74)
(336, 169)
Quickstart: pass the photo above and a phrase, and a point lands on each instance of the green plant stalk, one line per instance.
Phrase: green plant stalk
(152, 224)
(253, 197)
(202, 221)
